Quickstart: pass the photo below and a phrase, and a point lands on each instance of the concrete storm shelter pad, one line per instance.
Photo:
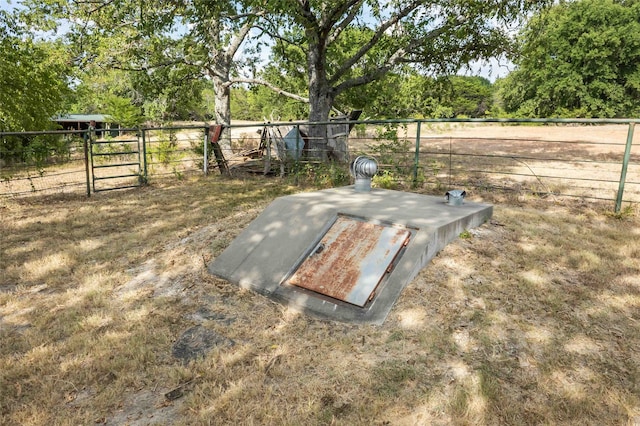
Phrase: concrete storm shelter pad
(341, 254)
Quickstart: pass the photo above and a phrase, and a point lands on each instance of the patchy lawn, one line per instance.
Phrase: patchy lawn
(108, 316)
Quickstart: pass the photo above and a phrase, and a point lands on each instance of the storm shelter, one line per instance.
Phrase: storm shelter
(341, 254)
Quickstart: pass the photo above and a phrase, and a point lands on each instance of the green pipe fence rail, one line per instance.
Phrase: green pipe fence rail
(591, 159)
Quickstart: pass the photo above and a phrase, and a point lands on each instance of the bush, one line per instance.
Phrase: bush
(320, 175)
(35, 149)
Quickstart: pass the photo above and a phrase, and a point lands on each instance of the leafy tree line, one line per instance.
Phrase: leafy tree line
(408, 95)
(578, 59)
(166, 93)
(33, 78)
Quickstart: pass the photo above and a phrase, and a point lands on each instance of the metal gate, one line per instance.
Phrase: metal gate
(116, 163)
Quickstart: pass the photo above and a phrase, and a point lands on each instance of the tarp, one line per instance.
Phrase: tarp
(294, 143)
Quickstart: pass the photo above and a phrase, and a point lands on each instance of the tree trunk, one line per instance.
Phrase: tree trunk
(222, 92)
(222, 101)
(321, 97)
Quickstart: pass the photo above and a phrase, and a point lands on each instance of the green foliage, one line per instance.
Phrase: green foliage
(339, 49)
(469, 96)
(241, 105)
(165, 150)
(627, 212)
(135, 97)
(33, 80)
(38, 150)
(385, 180)
(404, 93)
(171, 93)
(123, 112)
(320, 175)
(178, 60)
(161, 56)
(466, 235)
(412, 95)
(394, 155)
(387, 132)
(579, 59)
(284, 72)
(33, 89)
(261, 103)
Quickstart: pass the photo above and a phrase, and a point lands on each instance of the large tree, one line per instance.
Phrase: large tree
(440, 36)
(190, 38)
(33, 78)
(579, 59)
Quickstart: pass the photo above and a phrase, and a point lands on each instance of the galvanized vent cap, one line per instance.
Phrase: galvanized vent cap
(363, 168)
(455, 197)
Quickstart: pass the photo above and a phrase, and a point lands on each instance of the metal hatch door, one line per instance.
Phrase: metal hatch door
(351, 259)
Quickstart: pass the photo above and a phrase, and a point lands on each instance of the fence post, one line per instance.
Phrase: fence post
(416, 162)
(87, 137)
(205, 167)
(625, 165)
(144, 156)
(298, 149)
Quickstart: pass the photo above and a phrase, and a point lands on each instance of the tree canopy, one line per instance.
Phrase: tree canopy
(579, 59)
(337, 45)
(166, 59)
(405, 94)
(34, 78)
(348, 44)
(169, 44)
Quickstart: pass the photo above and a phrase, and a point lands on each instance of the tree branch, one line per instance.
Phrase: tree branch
(398, 57)
(345, 22)
(306, 13)
(100, 5)
(346, 66)
(274, 35)
(240, 36)
(327, 22)
(270, 86)
(369, 77)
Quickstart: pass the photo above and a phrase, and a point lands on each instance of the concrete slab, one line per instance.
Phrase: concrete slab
(270, 249)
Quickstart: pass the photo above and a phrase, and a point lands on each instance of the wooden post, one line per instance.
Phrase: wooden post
(215, 131)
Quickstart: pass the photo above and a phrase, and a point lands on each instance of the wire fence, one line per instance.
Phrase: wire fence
(587, 159)
(36, 162)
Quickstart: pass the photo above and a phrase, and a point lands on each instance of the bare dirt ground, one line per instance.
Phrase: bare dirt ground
(109, 316)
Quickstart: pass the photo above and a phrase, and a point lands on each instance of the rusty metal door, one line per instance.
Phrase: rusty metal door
(351, 259)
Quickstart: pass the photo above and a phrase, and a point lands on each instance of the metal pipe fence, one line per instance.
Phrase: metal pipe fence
(587, 159)
(581, 158)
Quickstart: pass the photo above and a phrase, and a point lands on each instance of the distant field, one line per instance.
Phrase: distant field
(533, 318)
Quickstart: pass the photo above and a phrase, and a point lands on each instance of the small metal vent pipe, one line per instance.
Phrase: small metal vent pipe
(363, 168)
(455, 197)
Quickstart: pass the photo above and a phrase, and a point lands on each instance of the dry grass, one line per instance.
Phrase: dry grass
(532, 320)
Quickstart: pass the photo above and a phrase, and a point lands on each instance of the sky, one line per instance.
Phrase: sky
(4, 5)
(493, 70)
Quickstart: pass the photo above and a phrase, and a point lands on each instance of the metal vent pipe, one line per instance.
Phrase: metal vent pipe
(363, 168)
(455, 197)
